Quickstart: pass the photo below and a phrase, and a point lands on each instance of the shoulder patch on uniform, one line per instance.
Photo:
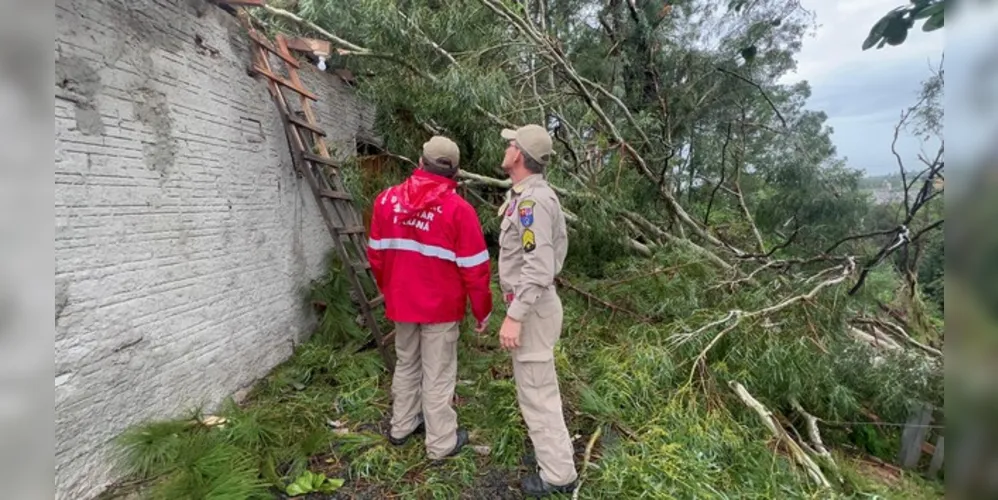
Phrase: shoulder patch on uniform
(528, 241)
(527, 213)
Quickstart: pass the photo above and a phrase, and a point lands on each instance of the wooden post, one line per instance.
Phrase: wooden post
(914, 435)
(937, 459)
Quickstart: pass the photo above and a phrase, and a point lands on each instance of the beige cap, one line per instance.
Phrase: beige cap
(533, 140)
(442, 151)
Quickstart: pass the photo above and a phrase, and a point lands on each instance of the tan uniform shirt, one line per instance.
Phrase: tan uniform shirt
(533, 242)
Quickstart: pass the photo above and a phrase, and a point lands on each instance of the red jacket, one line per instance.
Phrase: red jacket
(428, 253)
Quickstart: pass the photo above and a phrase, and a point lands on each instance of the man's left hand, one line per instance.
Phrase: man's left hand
(509, 333)
(483, 324)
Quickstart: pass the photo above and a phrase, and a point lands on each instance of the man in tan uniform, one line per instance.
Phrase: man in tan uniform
(533, 242)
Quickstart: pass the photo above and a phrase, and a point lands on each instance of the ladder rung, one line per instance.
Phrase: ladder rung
(306, 125)
(284, 83)
(336, 195)
(263, 42)
(352, 230)
(377, 301)
(320, 159)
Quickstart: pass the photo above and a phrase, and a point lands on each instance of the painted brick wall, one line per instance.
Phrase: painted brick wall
(183, 236)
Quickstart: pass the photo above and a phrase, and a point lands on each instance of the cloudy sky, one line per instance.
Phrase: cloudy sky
(863, 92)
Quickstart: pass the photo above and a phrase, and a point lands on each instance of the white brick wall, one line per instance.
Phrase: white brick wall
(182, 235)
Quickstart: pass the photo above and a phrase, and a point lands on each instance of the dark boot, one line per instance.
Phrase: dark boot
(462, 439)
(534, 486)
(420, 429)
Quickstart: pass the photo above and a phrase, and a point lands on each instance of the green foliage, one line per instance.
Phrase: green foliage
(892, 29)
(662, 438)
(309, 482)
(336, 324)
(267, 442)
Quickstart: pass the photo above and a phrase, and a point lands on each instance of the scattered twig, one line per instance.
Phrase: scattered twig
(609, 305)
(815, 436)
(771, 423)
(900, 333)
(648, 274)
(585, 460)
(790, 239)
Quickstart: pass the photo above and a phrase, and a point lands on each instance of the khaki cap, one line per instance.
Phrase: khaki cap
(442, 151)
(533, 140)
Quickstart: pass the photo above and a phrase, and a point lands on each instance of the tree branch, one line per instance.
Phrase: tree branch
(352, 49)
(555, 55)
(815, 436)
(609, 305)
(724, 149)
(860, 236)
(739, 316)
(761, 91)
(771, 423)
(741, 197)
(648, 226)
(926, 229)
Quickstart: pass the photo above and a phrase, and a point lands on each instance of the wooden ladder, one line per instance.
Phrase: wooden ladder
(312, 161)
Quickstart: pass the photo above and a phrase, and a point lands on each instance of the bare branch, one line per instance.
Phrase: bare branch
(739, 316)
(724, 149)
(904, 182)
(926, 229)
(771, 423)
(585, 459)
(902, 239)
(815, 436)
(761, 91)
(901, 334)
(648, 226)
(858, 237)
(740, 195)
(609, 305)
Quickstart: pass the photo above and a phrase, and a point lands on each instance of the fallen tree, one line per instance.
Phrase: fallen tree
(675, 151)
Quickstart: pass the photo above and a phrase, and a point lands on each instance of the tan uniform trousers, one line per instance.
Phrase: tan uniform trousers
(425, 375)
(538, 393)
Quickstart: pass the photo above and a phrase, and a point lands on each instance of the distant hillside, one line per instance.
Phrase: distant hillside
(880, 181)
(884, 188)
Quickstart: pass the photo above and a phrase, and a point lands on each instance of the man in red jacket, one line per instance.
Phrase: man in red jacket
(428, 255)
